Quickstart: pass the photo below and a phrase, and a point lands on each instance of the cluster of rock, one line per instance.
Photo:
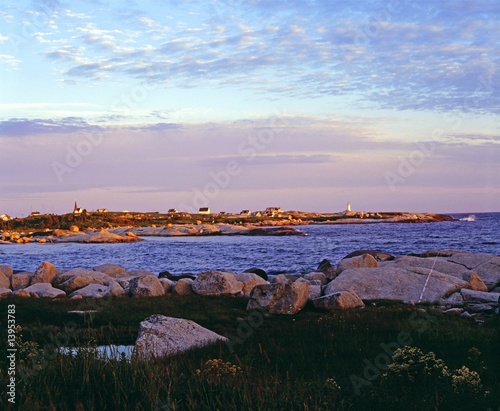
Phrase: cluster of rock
(133, 234)
(466, 284)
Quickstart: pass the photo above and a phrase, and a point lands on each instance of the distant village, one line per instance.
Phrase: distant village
(77, 211)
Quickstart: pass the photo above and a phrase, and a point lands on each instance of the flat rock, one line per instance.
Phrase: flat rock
(161, 336)
(184, 287)
(396, 284)
(147, 286)
(99, 291)
(21, 294)
(279, 298)
(217, 283)
(45, 273)
(360, 261)
(439, 264)
(44, 290)
(479, 297)
(341, 300)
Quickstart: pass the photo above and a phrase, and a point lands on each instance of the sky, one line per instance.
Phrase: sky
(246, 104)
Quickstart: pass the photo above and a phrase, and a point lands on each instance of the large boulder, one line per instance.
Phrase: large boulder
(217, 283)
(487, 266)
(77, 278)
(396, 284)
(20, 280)
(45, 273)
(184, 287)
(279, 298)
(440, 264)
(161, 336)
(99, 291)
(341, 300)
(44, 290)
(249, 280)
(360, 261)
(147, 286)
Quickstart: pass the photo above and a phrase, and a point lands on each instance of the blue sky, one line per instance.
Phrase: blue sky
(149, 105)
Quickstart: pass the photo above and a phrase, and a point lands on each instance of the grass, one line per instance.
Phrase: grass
(301, 362)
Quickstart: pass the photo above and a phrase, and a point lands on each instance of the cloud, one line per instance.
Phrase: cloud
(19, 127)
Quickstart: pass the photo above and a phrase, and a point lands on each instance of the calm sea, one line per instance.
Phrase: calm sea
(477, 233)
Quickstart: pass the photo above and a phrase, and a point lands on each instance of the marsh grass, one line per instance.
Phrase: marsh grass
(301, 362)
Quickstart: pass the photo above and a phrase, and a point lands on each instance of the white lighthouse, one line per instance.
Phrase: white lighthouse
(348, 207)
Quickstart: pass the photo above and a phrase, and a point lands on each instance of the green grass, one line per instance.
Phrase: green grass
(284, 363)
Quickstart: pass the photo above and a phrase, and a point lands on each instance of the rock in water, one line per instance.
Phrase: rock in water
(161, 336)
(217, 283)
(279, 298)
(327, 268)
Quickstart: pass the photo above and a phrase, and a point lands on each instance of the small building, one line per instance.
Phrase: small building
(35, 214)
(245, 213)
(77, 210)
(102, 210)
(256, 214)
(5, 217)
(172, 211)
(204, 210)
(273, 211)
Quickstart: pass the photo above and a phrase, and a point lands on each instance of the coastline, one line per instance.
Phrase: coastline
(103, 228)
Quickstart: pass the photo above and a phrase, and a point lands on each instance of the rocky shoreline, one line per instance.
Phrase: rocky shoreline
(283, 226)
(458, 283)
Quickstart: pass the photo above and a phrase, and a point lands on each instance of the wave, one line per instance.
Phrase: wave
(470, 218)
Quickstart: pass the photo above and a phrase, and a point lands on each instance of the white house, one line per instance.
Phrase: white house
(204, 210)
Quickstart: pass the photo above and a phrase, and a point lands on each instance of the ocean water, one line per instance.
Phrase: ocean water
(296, 254)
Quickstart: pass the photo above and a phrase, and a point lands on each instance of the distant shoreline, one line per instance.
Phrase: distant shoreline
(114, 227)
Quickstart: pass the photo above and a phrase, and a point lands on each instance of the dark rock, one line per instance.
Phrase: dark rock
(378, 255)
(176, 277)
(327, 268)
